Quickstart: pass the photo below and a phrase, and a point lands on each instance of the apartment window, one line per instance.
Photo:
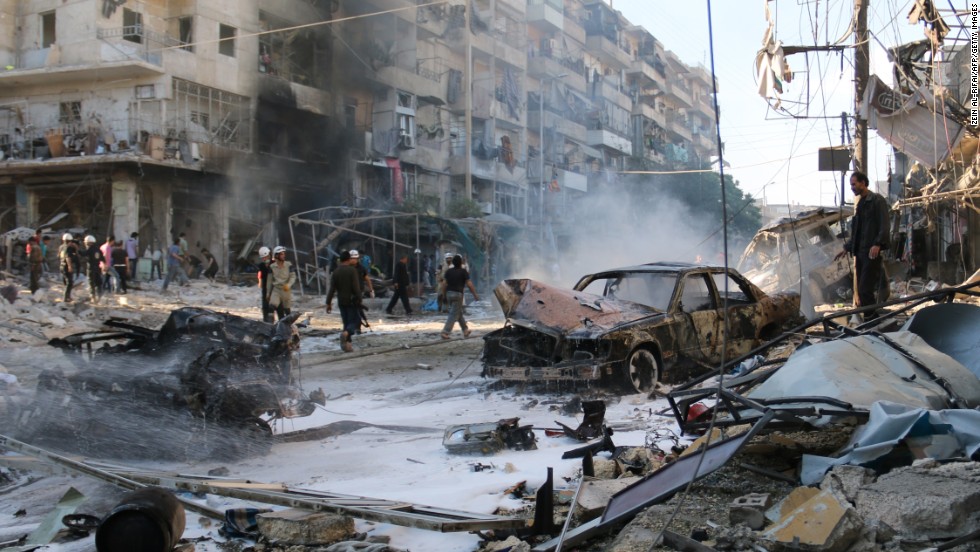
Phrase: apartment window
(70, 113)
(132, 26)
(145, 92)
(48, 27)
(185, 33)
(226, 34)
(350, 113)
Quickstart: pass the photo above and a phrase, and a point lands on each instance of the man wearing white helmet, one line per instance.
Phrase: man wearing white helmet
(265, 278)
(93, 263)
(69, 261)
(282, 279)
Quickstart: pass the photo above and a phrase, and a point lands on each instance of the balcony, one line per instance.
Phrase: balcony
(574, 31)
(507, 47)
(568, 180)
(546, 15)
(517, 7)
(566, 127)
(609, 139)
(649, 74)
(111, 58)
(607, 90)
(705, 106)
(424, 84)
(489, 169)
(678, 125)
(679, 92)
(651, 113)
(607, 51)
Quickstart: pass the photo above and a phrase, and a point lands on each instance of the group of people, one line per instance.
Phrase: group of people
(108, 267)
(346, 284)
(276, 278)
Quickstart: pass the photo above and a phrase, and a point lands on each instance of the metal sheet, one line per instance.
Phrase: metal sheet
(953, 328)
(865, 369)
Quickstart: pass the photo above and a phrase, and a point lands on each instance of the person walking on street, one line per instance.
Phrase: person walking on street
(362, 273)
(265, 279)
(36, 259)
(441, 282)
(869, 236)
(210, 265)
(120, 264)
(283, 278)
(69, 261)
(111, 278)
(345, 283)
(400, 284)
(175, 265)
(457, 278)
(93, 262)
(43, 240)
(132, 253)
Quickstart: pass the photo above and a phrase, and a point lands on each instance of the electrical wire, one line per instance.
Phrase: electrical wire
(683, 495)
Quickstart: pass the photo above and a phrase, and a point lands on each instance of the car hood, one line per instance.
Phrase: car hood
(561, 311)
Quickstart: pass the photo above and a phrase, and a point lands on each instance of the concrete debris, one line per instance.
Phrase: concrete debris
(750, 510)
(822, 523)
(846, 481)
(925, 501)
(510, 544)
(595, 495)
(302, 527)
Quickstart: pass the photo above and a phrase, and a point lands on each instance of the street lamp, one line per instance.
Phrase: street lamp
(541, 138)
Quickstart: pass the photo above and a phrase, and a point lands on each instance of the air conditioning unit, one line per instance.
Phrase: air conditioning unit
(406, 140)
(487, 208)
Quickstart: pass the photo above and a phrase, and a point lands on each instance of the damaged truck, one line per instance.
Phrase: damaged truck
(206, 384)
(630, 328)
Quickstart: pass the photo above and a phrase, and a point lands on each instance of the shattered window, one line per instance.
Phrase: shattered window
(650, 289)
(48, 29)
(226, 37)
(132, 26)
(736, 292)
(696, 295)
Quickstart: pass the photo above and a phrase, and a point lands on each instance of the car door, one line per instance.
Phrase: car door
(743, 313)
(695, 308)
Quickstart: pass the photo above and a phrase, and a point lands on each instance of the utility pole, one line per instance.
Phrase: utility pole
(861, 69)
(468, 177)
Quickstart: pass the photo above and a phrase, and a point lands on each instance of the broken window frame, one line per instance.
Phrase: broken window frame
(48, 28)
(228, 111)
(132, 26)
(70, 113)
(227, 36)
(185, 32)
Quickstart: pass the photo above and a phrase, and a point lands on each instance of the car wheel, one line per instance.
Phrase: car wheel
(642, 370)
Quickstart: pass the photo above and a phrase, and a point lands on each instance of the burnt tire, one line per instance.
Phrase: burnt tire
(642, 370)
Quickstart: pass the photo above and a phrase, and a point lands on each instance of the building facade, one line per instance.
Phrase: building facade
(218, 118)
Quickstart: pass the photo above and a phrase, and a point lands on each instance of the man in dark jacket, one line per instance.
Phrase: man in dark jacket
(869, 236)
(401, 284)
(345, 283)
(93, 261)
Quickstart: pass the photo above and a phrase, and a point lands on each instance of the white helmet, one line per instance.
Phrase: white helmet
(279, 249)
(263, 251)
(90, 239)
(67, 237)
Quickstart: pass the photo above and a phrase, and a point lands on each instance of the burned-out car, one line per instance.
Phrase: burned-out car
(631, 327)
(806, 244)
(204, 384)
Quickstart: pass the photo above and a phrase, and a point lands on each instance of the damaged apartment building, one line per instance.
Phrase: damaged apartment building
(219, 119)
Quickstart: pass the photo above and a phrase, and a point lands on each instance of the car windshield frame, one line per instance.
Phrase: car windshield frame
(653, 289)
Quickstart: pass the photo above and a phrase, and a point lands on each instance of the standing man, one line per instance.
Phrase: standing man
(283, 278)
(456, 279)
(36, 260)
(401, 284)
(156, 262)
(265, 278)
(362, 273)
(345, 284)
(93, 261)
(869, 236)
(132, 253)
(120, 264)
(441, 282)
(111, 278)
(175, 265)
(68, 258)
